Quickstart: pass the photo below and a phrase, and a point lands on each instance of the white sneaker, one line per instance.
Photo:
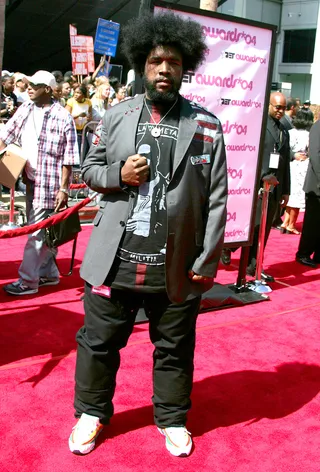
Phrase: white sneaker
(178, 440)
(83, 437)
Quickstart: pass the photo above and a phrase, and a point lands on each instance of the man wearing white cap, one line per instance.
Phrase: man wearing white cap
(47, 135)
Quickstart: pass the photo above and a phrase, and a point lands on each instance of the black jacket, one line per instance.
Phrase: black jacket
(312, 181)
(281, 145)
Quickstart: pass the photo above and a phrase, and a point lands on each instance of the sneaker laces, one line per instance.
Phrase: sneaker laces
(178, 435)
(86, 427)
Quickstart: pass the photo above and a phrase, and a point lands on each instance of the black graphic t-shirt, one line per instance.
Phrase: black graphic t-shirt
(139, 264)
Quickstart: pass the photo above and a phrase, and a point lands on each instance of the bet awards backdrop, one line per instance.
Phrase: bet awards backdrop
(232, 84)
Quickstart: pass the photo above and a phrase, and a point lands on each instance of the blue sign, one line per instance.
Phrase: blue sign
(107, 36)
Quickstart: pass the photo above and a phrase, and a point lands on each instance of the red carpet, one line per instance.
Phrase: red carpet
(257, 379)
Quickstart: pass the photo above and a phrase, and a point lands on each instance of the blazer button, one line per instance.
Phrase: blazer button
(122, 223)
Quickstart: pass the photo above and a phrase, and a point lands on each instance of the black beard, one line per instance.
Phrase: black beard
(162, 97)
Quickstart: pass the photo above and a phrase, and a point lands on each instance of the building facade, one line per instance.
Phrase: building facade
(297, 57)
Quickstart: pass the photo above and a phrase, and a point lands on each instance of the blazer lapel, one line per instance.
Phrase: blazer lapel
(187, 129)
(131, 121)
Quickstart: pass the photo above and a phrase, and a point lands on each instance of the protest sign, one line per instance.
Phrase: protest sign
(106, 39)
(81, 52)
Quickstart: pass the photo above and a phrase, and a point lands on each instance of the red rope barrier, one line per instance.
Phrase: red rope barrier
(46, 223)
(77, 186)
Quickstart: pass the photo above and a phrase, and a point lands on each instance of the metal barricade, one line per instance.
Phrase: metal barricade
(88, 129)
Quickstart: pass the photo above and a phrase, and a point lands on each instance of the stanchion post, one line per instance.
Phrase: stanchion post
(11, 223)
(257, 285)
(11, 215)
(241, 279)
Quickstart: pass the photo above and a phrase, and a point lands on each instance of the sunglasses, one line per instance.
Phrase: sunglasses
(278, 107)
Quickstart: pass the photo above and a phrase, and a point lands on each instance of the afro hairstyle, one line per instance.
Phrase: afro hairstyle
(148, 31)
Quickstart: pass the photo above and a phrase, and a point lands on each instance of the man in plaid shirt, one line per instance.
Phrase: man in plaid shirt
(46, 132)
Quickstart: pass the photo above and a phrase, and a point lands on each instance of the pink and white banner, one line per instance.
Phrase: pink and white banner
(232, 84)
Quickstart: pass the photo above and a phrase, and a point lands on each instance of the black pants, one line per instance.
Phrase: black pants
(108, 325)
(272, 208)
(310, 236)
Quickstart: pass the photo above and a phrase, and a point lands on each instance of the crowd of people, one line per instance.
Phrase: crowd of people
(86, 101)
(160, 165)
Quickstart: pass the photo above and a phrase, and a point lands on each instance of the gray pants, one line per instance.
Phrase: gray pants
(38, 260)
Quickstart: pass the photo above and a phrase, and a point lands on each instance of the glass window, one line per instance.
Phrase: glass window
(299, 46)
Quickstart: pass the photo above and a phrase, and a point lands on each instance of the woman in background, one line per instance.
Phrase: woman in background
(80, 108)
(299, 144)
(100, 100)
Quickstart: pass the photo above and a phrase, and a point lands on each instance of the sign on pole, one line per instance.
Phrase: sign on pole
(107, 36)
(81, 52)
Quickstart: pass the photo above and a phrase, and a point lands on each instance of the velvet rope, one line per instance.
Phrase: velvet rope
(76, 186)
(46, 223)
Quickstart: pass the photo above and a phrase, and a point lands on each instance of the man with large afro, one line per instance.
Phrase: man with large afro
(157, 238)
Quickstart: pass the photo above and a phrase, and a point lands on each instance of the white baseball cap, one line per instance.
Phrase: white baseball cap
(6, 72)
(43, 77)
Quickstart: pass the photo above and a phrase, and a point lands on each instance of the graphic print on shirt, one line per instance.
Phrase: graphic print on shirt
(151, 196)
(141, 255)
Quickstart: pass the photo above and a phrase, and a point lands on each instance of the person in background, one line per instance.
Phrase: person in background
(9, 102)
(121, 93)
(306, 106)
(299, 145)
(66, 91)
(21, 85)
(91, 90)
(47, 135)
(80, 108)
(290, 113)
(58, 75)
(159, 232)
(275, 171)
(57, 95)
(69, 77)
(100, 100)
(286, 121)
(310, 237)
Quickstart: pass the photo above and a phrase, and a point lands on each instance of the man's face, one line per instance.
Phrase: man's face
(8, 85)
(22, 84)
(163, 73)
(277, 106)
(66, 89)
(294, 110)
(36, 92)
(57, 92)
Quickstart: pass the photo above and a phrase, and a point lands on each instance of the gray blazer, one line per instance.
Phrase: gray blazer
(196, 197)
(312, 181)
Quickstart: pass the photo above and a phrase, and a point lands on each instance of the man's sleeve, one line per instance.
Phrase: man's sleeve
(71, 150)
(207, 263)
(314, 150)
(11, 131)
(96, 172)
(286, 176)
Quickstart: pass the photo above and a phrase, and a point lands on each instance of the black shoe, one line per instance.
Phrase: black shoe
(264, 277)
(226, 257)
(267, 277)
(307, 261)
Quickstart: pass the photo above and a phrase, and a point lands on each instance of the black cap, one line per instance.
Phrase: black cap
(307, 102)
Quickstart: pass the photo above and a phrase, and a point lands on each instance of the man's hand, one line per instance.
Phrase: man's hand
(284, 201)
(201, 279)
(135, 170)
(270, 179)
(61, 201)
(300, 156)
